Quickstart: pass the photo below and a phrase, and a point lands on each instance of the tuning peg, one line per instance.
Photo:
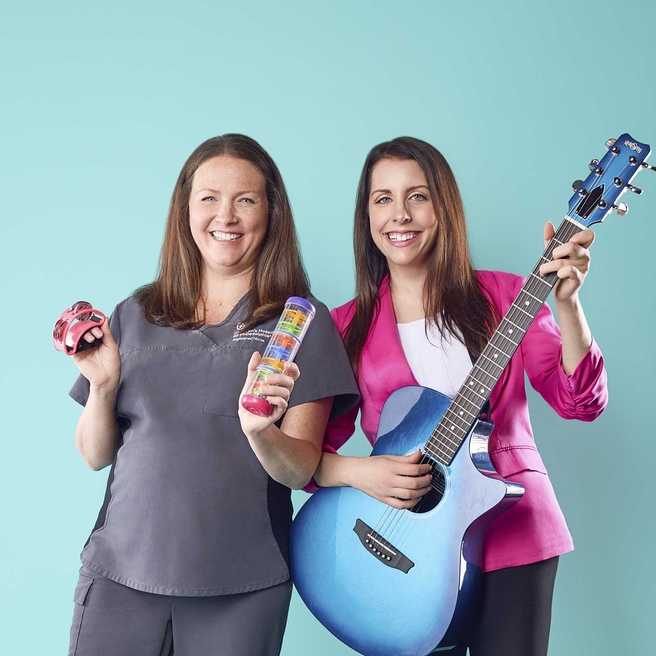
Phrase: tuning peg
(635, 190)
(593, 165)
(576, 184)
(611, 145)
(649, 166)
(622, 209)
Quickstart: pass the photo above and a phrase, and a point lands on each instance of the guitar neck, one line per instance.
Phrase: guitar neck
(455, 424)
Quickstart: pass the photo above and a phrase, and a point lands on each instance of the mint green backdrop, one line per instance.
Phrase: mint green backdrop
(102, 102)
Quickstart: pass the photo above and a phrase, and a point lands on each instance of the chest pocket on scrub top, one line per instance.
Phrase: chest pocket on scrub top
(226, 379)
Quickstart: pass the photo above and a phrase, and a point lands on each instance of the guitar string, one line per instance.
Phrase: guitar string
(393, 529)
(563, 233)
(391, 525)
(484, 367)
(532, 286)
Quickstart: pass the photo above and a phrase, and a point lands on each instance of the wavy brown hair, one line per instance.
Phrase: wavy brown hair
(451, 291)
(173, 298)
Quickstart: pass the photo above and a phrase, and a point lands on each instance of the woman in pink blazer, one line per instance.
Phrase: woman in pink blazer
(421, 313)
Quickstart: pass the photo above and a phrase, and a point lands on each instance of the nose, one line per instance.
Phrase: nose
(401, 214)
(225, 213)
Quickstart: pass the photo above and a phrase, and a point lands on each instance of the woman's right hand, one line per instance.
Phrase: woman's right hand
(398, 481)
(101, 365)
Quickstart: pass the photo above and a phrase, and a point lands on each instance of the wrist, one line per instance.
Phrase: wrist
(570, 304)
(335, 470)
(263, 434)
(110, 388)
(350, 471)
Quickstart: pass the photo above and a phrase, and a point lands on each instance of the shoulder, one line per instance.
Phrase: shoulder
(343, 314)
(130, 326)
(499, 285)
(129, 309)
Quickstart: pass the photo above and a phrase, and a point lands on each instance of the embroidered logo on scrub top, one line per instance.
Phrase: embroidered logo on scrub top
(255, 334)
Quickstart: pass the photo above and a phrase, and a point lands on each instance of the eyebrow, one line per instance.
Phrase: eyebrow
(388, 191)
(239, 193)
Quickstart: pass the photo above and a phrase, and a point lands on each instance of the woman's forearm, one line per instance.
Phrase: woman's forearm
(399, 481)
(287, 460)
(97, 432)
(291, 454)
(336, 471)
(575, 332)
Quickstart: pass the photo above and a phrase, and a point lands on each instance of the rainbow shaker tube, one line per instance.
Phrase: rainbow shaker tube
(282, 347)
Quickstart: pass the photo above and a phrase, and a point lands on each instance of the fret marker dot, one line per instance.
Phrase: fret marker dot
(453, 427)
(496, 355)
(471, 383)
(527, 302)
(482, 389)
(510, 331)
(461, 412)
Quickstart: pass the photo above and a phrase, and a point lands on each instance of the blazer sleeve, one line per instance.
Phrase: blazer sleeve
(583, 395)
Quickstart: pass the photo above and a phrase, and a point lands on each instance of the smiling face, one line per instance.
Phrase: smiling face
(401, 214)
(228, 214)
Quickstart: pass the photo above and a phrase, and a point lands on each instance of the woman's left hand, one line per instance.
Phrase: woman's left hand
(278, 389)
(571, 262)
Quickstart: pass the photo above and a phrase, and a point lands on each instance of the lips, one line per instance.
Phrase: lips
(221, 236)
(401, 238)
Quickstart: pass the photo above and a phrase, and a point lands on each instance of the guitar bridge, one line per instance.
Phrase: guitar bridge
(381, 549)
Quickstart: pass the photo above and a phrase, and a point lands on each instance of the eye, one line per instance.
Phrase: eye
(247, 201)
(383, 200)
(418, 196)
(207, 199)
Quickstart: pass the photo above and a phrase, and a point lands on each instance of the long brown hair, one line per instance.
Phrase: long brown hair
(173, 297)
(451, 291)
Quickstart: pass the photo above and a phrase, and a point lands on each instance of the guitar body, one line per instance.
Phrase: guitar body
(355, 589)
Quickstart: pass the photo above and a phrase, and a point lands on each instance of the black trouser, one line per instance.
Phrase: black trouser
(514, 614)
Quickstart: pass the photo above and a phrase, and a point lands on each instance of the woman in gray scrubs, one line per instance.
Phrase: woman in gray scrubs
(189, 551)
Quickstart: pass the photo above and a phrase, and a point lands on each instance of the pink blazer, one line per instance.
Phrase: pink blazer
(534, 529)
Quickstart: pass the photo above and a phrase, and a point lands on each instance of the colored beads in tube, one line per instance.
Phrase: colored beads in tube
(282, 347)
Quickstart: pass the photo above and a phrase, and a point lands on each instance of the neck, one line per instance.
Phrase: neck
(407, 289)
(222, 291)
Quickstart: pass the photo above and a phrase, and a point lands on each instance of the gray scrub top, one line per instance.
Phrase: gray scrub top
(189, 510)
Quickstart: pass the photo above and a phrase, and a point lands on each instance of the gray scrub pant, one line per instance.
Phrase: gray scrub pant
(111, 619)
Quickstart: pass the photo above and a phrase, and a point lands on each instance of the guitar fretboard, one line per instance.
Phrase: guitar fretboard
(466, 406)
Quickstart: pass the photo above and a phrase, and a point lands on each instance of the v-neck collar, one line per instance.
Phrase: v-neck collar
(206, 332)
(238, 305)
(392, 370)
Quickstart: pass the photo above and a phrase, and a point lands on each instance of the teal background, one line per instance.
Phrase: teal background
(102, 103)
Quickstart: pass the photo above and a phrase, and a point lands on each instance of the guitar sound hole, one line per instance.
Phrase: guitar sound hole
(430, 500)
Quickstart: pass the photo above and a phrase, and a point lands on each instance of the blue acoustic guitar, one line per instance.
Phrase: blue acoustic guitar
(391, 582)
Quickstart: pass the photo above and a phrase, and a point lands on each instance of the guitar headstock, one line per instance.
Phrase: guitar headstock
(610, 177)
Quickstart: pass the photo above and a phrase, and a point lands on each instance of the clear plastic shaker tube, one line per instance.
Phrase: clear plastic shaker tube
(283, 346)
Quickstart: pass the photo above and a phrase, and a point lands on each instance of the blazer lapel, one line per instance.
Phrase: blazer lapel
(384, 349)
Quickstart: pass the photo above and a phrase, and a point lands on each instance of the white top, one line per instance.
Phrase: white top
(438, 363)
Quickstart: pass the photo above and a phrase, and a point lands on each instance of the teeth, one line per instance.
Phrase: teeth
(401, 236)
(225, 236)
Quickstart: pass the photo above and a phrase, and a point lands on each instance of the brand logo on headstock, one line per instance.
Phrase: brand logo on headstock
(632, 146)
